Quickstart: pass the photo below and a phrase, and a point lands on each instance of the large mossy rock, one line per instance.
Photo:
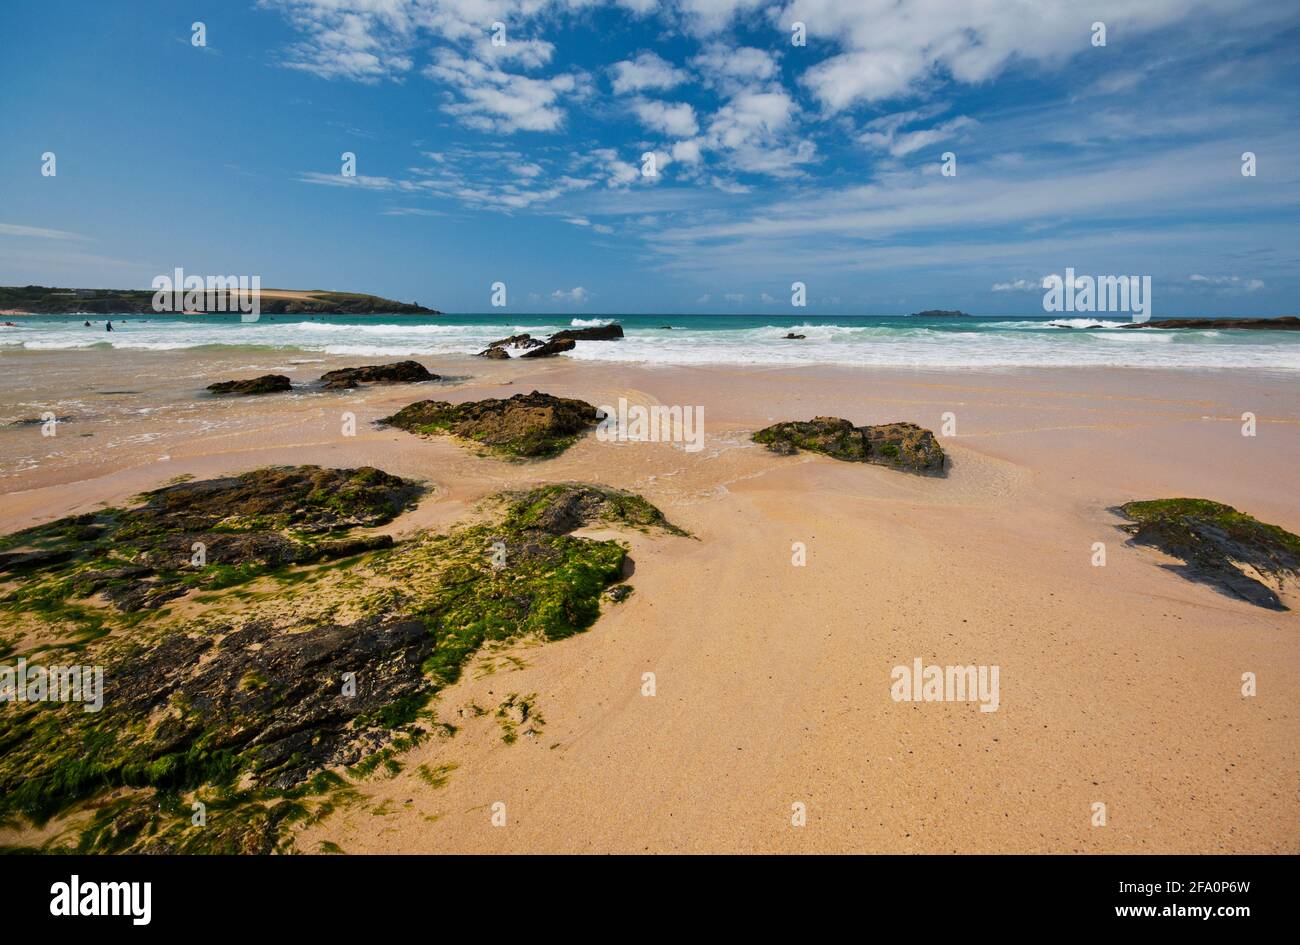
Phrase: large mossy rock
(269, 707)
(525, 425)
(1219, 546)
(139, 558)
(898, 445)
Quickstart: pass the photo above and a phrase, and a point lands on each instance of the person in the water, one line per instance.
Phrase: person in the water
(108, 326)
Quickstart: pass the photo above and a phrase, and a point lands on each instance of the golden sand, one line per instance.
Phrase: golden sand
(1120, 685)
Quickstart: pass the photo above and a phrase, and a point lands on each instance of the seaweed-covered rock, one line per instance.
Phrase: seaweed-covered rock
(551, 348)
(899, 445)
(266, 384)
(205, 533)
(564, 507)
(304, 498)
(400, 372)
(611, 332)
(260, 711)
(1219, 546)
(525, 425)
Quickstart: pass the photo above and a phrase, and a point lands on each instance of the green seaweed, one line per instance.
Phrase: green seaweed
(135, 770)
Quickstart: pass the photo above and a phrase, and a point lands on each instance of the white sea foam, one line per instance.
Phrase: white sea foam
(987, 344)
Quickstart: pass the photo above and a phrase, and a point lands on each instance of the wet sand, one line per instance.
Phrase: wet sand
(1119, 684)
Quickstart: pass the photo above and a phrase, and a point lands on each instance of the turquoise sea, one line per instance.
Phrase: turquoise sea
(990, 341)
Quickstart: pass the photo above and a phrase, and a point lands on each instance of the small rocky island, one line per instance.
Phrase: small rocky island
(897, 445)
(940, 313)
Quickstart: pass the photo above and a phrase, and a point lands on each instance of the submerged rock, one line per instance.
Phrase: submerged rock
(266, 384)
(791, 336)
(1219, 546)
(900, 445)
(550, 349)
(526, 425)
(400, 372)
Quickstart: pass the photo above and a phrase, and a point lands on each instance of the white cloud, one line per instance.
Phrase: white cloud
(732, 69)
(526, 53)
(38, 232)
(752, 128)
(885, 134)
(618, 172)
(647, 71)
(677, 120)
(890, 48)
(491, 99)
(577, 295)
(1018, 285)
(687, 152)
(1228, 283)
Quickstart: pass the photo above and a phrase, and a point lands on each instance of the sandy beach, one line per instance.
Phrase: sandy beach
(1120, 684)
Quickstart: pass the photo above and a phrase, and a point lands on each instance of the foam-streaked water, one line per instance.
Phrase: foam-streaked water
(978, 342)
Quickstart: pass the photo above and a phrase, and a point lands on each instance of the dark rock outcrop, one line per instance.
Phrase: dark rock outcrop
(523, 340)
(496, 354)
(1219, 546)
(525, 425)
(899, 445)
(400, 372)
(791, 336)
(1282, 323)
(610, 332)
(266, 384)
(550, 349)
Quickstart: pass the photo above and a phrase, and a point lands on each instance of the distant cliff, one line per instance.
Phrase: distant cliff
(42, 300)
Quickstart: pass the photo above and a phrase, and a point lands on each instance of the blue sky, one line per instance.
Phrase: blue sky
(776, 163)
